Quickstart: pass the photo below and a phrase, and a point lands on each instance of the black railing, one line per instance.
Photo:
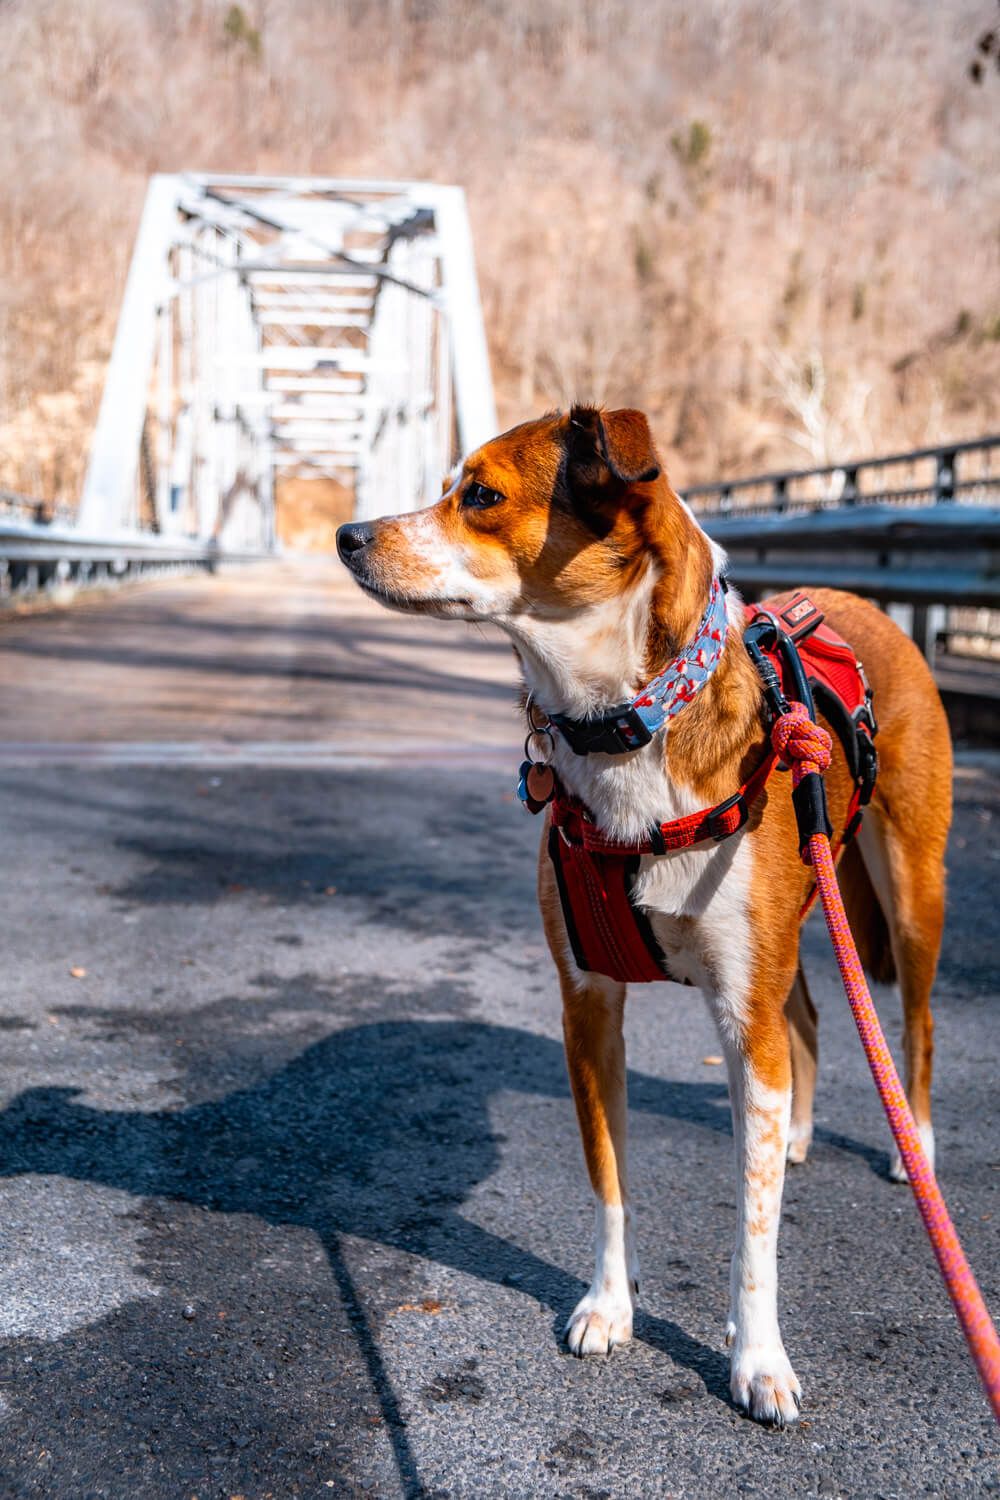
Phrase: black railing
(23, 507)
(967, 473)
(918, 529)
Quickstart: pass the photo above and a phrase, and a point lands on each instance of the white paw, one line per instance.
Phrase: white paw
(896, 1169)
(763, 1383)
(600, 1321)
(799, 1141)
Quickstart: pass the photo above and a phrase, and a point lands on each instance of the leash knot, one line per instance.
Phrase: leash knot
(803, 745)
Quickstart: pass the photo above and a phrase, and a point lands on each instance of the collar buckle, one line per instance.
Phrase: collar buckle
(616, 732)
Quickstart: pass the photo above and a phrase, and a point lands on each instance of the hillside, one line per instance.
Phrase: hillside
(774, 225)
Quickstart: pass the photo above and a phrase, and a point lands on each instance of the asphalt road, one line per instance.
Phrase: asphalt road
(291, 1196)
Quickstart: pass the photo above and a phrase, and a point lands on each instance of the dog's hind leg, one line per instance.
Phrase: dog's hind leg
(908, 877)
(803, 1039)
(754, 1032)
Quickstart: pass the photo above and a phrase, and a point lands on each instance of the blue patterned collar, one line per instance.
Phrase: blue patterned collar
(628, 726)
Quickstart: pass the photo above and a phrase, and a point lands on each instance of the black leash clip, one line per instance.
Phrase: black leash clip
(809, 797)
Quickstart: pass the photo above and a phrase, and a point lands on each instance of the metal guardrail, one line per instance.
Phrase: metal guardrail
(966, 472)
(919, 530)
(916, 531)
(946, 555)
(35, 556)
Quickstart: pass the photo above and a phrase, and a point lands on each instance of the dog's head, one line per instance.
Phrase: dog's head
(543, 521)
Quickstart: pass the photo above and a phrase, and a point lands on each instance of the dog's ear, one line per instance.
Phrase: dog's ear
(608, 449)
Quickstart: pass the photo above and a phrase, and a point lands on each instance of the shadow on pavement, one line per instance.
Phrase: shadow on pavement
(380, 1131)
(356, 658)
(410, 856)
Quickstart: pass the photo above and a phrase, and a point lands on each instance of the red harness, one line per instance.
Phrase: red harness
(596, 875)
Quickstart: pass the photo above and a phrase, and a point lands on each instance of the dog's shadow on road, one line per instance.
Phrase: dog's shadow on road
(380, 1130)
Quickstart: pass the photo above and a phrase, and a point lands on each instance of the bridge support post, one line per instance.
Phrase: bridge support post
(944, 483)
(108, 499)
(475, 409)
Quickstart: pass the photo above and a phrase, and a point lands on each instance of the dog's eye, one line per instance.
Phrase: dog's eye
(478, 497)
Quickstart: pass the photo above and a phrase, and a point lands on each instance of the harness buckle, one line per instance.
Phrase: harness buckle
(864, 716)
(719, 834)
(865, 729)
(656, 839)
(867, 767)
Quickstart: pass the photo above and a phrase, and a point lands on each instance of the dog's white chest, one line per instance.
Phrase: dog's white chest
(697, 899)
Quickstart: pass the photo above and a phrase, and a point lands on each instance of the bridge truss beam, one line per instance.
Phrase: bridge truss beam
(273, 327)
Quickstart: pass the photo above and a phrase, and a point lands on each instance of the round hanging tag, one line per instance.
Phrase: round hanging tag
(541, 783)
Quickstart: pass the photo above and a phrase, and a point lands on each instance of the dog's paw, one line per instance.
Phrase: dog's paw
(897, 1172)
(799, 1141)
(599, 1322)
(764, 1385)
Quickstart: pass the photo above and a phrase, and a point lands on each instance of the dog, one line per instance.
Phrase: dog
(566, 534)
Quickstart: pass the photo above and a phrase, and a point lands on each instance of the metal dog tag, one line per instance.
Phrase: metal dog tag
(535, 786)
(541, 783)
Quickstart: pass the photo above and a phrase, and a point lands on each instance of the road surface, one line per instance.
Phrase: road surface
(292, 1198)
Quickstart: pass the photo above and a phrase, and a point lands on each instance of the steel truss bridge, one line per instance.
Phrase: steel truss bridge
(270, 327)
(280, 327)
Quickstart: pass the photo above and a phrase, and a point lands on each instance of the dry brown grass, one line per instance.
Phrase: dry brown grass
(775, 225)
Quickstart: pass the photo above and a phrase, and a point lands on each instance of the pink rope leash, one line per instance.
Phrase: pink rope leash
(805, 746)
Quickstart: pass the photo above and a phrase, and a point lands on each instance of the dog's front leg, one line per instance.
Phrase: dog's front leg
(593, 1012)
(755, 1038)
(595, 1057)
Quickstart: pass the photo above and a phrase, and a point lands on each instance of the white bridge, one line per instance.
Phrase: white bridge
(303, 326)
(271, 327)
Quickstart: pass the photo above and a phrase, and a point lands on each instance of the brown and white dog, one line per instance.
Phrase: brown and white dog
(566, 533)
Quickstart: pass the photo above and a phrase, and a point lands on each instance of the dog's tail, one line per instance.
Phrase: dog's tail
(867, 919)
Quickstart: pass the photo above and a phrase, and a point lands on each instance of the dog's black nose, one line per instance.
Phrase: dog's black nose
(353, 537)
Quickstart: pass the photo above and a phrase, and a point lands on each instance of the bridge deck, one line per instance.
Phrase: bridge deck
(274, 659)
(292, 1197)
